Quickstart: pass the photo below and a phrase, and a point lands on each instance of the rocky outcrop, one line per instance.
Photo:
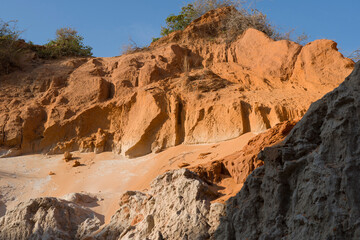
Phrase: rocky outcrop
(188, 88)
(177, 207)
(180, 203)
(185, 88)
(240, 164)
(308, 187)
(48, 218)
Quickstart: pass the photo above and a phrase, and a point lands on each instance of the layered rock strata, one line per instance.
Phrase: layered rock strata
(186, 88)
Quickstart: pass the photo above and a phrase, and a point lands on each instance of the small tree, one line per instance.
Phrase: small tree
(179, 22)
(68, 43)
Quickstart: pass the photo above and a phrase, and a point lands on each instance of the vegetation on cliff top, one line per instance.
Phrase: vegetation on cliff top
(10, 49)
(240, 19)
(68, 43)
(355, 55)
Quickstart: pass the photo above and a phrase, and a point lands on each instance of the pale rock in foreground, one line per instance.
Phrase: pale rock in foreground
(48, 218)
(177, 207)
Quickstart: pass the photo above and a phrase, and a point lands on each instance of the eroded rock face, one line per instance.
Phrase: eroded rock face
(240, 164)
(184, 89)
(177, 207)
(48, 218)
(308, 187)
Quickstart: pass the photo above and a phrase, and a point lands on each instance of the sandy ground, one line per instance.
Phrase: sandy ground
(106, 175)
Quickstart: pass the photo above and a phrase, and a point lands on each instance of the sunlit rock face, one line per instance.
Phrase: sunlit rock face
(185, 88)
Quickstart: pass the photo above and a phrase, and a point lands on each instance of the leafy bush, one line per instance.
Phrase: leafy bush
(192, 11)
(179, 22)
(234, 25)
(10, 47)
(68, 43)
(155, 39)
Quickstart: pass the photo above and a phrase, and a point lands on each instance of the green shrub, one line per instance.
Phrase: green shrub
(179, 22)
(154, 39)
(68, 43)
(234, 25)
(10, 47)
(192, 11)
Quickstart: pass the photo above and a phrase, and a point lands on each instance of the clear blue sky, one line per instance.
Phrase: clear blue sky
(107, 25)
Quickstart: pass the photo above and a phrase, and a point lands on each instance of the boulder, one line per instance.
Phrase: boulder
(178, 206)
(48, 218)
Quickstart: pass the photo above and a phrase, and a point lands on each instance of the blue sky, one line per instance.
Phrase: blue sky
(107, 25)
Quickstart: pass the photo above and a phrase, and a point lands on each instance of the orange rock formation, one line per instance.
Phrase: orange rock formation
(185, 88)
